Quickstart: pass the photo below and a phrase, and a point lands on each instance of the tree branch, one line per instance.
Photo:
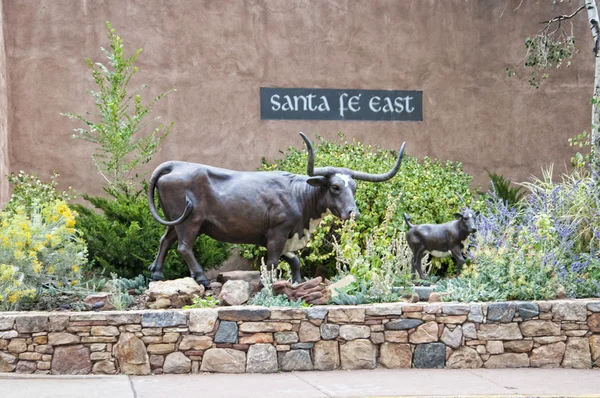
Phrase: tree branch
(563, 17)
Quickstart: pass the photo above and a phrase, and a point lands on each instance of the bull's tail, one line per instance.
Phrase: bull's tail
(407, 220)
(161, 170)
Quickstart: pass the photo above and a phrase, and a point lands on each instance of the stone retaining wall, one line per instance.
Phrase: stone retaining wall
(257, 339)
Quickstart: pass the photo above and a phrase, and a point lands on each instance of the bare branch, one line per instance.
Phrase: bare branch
(563, 17)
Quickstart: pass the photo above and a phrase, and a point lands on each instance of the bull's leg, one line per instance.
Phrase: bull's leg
(416, 263)
(275, 245)
(458, 259)
(166, 242)
(294, 263)
(187, 233)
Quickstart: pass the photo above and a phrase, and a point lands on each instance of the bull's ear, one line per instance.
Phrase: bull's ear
(317, 181)
(458, 216)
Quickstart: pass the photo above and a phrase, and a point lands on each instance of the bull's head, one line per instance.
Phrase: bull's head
(339, 185)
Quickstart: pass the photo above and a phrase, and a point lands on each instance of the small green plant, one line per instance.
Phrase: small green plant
(503, 189)
(119, 133)
(202, 302)
(121, 290)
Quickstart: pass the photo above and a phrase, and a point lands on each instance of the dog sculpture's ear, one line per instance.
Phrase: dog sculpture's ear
(458, 216)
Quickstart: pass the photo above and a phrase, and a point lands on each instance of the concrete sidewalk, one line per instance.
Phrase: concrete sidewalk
(373, 383)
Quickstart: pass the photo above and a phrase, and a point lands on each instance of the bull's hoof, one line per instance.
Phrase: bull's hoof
(202, 281)
(158, 276)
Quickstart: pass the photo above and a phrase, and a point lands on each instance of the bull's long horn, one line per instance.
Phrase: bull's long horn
(357, 175)
(310, 167)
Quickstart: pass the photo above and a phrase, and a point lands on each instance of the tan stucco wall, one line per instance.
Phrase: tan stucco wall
(4, 167)
(217, 54)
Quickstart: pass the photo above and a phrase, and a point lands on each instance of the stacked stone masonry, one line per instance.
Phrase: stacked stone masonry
(264, 340)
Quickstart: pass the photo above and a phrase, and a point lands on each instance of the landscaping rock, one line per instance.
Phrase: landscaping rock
(309, 332)
(177, 292)
(547, 356)
(475, 313)
(101, 301)
(540, 328)
(161, 319)
(426, 333)
(346, 315)
(177, 363)
(424, 292)
(61, 338)
(594, 307)
(329, 331)
(495, 347)
(26, 367)
(353, 332)
(262, 358)
(71, 360)
(288, 313)
(507, 361)
(193, 342)
(384, 309)
(456, 309)
(403, 324)
(569, 311)
(223, 360)
(227, 332)
(104, 367)
(131, 355)
(452, 338)
(17, 346)
(396, 336)
(268, 327)
(251, 277)
(395, 356)
(593, 322)
(316, 312)
(9, 334)
(528, 310)
(464, 358)
(358, 354)
(234, 292)
(250, 313)
(429, 356)
(341, 284)
(595, 348)
(203, 320)
(326, 355)
(509, 331)
(286, 337)
(8, 362)
(258, 338)
(469, 330)
(518, 346)
(7, 322)
(31, 323)
(296, 360)
(501, 312)
(577, 354)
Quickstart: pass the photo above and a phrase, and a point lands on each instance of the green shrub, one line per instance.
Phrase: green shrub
(202, 302)
(426, 190)
(502, 188)
(123, 238)
(29, 190)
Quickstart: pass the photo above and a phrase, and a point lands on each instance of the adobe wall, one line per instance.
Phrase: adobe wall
(217, 54)
(4, 165)
(266, 340)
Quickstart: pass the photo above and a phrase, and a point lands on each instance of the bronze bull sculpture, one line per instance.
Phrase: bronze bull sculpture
(274, 209)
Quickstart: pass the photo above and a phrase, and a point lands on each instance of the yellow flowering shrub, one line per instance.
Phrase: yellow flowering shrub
(39, 249)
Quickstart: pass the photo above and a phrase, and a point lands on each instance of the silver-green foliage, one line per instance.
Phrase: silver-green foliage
(122, 119)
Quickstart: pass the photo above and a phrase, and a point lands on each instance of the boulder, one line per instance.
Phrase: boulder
(358, 354)
(326, 355)
(261, 358)
(177, 363)
(395, 355)
(464, 358)
(131, 355)
(342, 283)
(296, 360)
(223, 360)
(179, 292)
(577, 353)
(234, 292)
(71, 360)
(252, 277)
(429, 356)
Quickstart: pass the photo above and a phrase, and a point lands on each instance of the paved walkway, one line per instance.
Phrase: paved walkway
(373, 383)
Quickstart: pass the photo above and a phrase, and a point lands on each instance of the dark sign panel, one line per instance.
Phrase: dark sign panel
(339, 104)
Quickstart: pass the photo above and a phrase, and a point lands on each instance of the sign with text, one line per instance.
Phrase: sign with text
(340, 104)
